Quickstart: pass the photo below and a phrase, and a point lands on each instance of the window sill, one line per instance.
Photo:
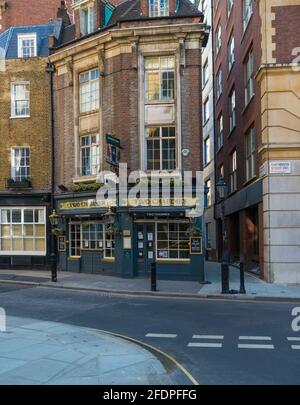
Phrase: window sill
(86, 113)
(173, 261)
(108, 260)
(247, 105)
(19, 116)
(84, 179)
(74, 258)
(155, 102)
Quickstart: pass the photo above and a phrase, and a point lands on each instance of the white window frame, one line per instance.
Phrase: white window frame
(220, 129)
(249, 82)
(160, 71)
(14, 167)
(208, 194)
(170, 259)
(219, 83)
(232, 110)
(23, 236)
(205, 73)
(92, 100)
(26, 37)
(229, 6)
(218, 38)
(247, 12)
(13, 100)
(233, 171)
(206, 111)
(161, 139)
(231, 52)
(94, 148)
(157, 9)
(207, 151)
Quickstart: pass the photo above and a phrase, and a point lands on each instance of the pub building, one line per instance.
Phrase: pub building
(127, 89)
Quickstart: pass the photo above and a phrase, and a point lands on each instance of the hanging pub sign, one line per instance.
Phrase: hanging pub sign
(196, 245)
(113, 150)
(61, 243)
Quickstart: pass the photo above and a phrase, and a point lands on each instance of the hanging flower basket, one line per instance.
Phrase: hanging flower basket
(113, 229)
(193, 231)
(57, 231)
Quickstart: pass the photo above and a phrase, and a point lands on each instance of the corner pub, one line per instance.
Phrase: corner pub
(127, 89)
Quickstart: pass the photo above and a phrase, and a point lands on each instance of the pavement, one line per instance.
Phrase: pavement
(51, 353)
(255, 287)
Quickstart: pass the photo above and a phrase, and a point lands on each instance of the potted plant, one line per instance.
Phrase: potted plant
(57, 231)
(22, 183)
(112, 229)
(193, 231)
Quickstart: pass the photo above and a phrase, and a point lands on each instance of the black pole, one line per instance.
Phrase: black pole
(225, 264)
(53, 255)
(153, 276)
(242, 279)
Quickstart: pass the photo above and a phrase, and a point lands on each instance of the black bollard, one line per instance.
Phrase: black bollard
(153, 276)
(225, 278)
(242, 279)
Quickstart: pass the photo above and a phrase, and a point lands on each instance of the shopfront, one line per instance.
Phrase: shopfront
(90, 243)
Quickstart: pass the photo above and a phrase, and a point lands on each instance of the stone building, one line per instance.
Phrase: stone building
(25, 146)
(127, 89)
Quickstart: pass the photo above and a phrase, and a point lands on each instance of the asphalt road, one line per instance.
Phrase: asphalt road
(217, 341)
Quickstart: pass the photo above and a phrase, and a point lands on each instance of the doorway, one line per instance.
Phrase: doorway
(145, 247)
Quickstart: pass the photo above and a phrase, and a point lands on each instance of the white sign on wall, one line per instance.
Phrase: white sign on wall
(279, 167)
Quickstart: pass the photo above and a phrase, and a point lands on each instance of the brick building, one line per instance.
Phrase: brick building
(128, 90)
(30, 12)
(256, 133)
(25, 146)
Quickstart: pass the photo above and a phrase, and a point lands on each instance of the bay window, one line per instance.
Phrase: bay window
(160, 78)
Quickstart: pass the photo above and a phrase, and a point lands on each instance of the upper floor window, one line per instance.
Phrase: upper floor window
(205, 73)
(89, 155)
(203, 6)
(231, 52)
(248, 67)
(161, 148)
(158, 8)
(229, 6)
(89, 91)
(160, 78)
(218, 38)
(247, 12)
(207, 195)
(220, 131)
(219, 83)
(20, 163)
(205, 111)
(206, 151)
(250, 153)
(27, 45)
(233, 172)
(208, 235)
(20, 99)
(86, 20)
(232, 111)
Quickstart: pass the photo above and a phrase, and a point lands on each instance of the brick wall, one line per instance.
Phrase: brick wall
(33, 132)
(287, 32)
(30, 12)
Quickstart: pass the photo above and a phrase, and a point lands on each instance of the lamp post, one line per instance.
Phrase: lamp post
(54, 220)
(222, 193)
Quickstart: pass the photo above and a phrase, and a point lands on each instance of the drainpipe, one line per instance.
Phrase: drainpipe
(53, 256)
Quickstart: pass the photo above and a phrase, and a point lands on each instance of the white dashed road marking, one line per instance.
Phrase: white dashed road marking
(254, 346)
(161, 335)
(255, 338)
(207, 337)
(294, 339)
(197, 344)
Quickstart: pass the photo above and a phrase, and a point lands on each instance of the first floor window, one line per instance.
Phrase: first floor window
(161, 148)
(89, 91)
(160, 78)
(23, 231)
(89, 155)
(172, 241)
(20, 163)
(20, 99)
(250, 153)
(233, 172)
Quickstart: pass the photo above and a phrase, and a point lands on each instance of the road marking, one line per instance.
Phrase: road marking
(208, 337)
(254, 346)
(161, 335)
(295, 347)
(293, 339)
(196, 344)
(255, 338)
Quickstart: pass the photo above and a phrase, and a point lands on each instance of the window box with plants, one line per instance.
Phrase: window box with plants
(18, 183)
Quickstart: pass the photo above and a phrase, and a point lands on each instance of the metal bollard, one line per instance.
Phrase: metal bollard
(242, 279)
(225, 278)
(153, 276)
